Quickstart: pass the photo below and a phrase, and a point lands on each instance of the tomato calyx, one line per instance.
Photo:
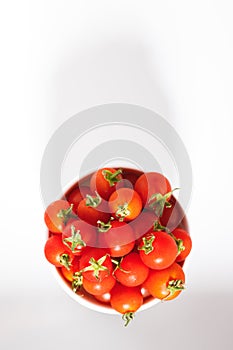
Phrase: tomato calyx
(96, 266)
(147, 246)
(64, 260)
(102, 227)
(127, 317)
(75, 240)
(93, 201)
(66, 214)
(77, 281)
(179, 242)
(118, 265)
(157, 202)
(122, 211)
(112, 177)
(174, 286)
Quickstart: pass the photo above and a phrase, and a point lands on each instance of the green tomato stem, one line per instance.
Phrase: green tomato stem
(112, 177)
(128, 317)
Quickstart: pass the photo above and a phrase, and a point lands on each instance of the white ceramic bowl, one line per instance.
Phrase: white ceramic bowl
(86, 299)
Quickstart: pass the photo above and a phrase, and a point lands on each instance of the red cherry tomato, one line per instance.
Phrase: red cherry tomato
(92, 209)
(125, 204)
(104, 181)
(132, 271)
(77, 235)
(104, 298)
(78, 194)
(57, 215)
(118, 238)
(126, 300)
(187, 243)
(95, 264)
(56, 253)
(158, 250)
(148, 186)
(165, 284)
(99, 288)
(68, 274)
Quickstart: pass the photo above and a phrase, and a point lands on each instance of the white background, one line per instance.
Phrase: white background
(60, 57)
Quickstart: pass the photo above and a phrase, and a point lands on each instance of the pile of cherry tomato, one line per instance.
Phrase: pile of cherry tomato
(119, 236)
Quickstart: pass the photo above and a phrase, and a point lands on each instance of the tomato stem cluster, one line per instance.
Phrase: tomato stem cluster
(75, 239)
(93, 201)
(157, 202)
(96, 266)
(174, 286)
(66, 214)
(147, 246)
(122, 211)
(112, 178)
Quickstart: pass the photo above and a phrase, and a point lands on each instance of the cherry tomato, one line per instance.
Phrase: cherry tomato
(165, 284)
(56, 253)
(95, 264)
(77, 235)
(104, 181)
(68, 274)
(92, 209)
(158, 250)
(125, 204)
(99, 288)
(104, 298)
(152, 187)
(126, 300)
(118, 238)
(143, 223)
(132, 271)
(57, 215)
(76, 195)
(183, 235)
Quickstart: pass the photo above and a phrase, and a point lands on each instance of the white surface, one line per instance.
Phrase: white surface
(60, 57)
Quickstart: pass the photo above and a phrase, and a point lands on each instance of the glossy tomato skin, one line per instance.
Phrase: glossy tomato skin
(100, 183)
(99, 288)
(78, 194)
(119, 239)
(52, 220)
(126, 299)
(87, 236)
(96, 254)
(132, 271)
(128, 199)
(164, 250)
(104, 298)
(158, 281)
(92, 214)
(54, 249)
(143, 224)
(151, 183)
(187, 243)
